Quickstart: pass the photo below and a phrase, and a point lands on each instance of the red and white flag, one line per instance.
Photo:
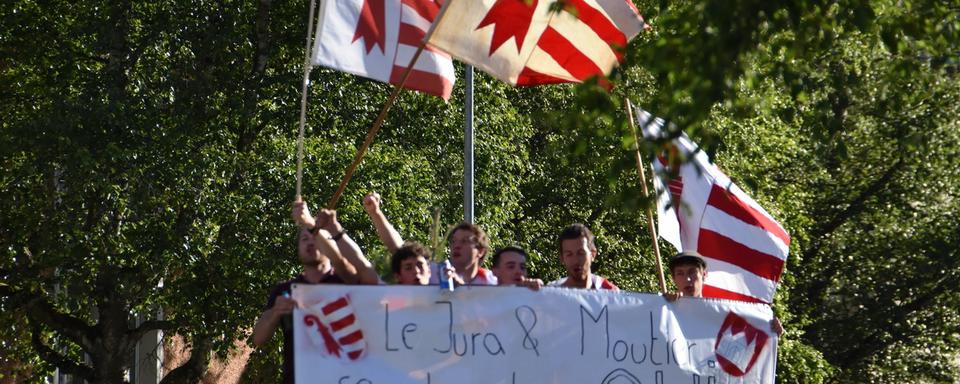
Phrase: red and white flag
(703, 210)
(523, 42)
(377, 39)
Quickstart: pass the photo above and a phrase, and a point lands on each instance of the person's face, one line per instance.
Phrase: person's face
(576, 256)
(510, 268)
(689, 279)
(414, 271)
(307, 249)
(464, 250)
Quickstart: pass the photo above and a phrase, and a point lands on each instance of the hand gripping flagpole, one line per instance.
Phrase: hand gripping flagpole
(383, 112)
(307, 66)
(646, 194)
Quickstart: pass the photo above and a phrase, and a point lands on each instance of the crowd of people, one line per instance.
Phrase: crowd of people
(328, 255)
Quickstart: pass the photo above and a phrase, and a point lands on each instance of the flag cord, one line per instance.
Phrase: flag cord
(377, 123)
(646, 194)
(303, 102)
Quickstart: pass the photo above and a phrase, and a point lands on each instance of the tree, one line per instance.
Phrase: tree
(148, 155)
(132, 140)
(837, 116)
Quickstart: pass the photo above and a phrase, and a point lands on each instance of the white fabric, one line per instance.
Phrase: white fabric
(335, 46)
(751, 267)
(483, 335)
(458, 32)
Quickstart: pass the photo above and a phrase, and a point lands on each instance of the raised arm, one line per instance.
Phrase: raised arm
(366, 274)
(385, 231)
(341, 266)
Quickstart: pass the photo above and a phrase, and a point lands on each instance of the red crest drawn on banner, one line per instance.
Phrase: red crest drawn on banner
(738, 345)
(337, 326)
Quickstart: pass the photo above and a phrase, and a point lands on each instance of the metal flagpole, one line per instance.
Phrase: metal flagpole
(646, 194)
(468, 147)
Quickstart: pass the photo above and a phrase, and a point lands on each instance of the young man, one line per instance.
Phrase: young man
(577, 252)
(510, 268)
(468, 244)
(326, 259)
(411, 264)
(689, 271)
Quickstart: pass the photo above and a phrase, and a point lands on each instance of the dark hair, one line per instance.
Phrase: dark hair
(576, 231)
(408, 250)
(687, 258)
(496, 256)
(482, 241)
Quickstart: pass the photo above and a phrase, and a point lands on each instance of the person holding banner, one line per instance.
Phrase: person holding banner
(320, 255)
(510, 268)
(468, 244)
(577, 252)
(411, 264)
(689, 271)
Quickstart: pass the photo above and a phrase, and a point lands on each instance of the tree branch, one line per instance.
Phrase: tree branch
(249, 132)
(854, 208)
(71, 327)
(65, 364)
(858, 204)
(894, 325)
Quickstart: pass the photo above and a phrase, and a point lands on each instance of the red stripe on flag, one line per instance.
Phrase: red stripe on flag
(334, 306)
(676, 186)
(717, 246)
(720, 293)
(410, 35)
(530, 77)
(425, 8)
(413, 36)
(676, 196)
(727, 202)
(423, 81)
(342, 323)
(352, 338)
(603, 27)
(567, 55)
(355, 355)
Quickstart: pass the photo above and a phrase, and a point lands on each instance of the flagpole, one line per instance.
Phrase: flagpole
(303, 102)
(646, 194)
(468, 146)
(372, 132)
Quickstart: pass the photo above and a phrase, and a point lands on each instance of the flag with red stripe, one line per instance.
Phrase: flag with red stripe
(378, 38)
(523, 42)
(702, 210)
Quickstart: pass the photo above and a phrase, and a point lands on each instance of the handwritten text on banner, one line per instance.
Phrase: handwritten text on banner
(483, 335)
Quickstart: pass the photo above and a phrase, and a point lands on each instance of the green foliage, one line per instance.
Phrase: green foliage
(148, 153)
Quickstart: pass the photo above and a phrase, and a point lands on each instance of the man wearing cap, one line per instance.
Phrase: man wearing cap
(689, 272)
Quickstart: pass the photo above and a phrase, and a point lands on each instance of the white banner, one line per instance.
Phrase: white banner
(409, 334)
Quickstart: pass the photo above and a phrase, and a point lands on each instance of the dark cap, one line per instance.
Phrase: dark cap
(686, 258)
